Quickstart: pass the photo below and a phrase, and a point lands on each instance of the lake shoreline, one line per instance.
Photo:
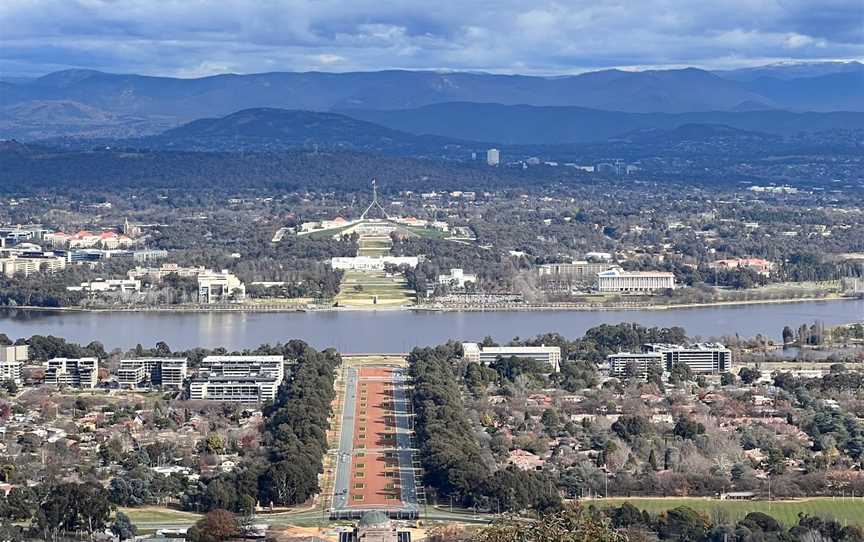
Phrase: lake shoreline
(433, 308)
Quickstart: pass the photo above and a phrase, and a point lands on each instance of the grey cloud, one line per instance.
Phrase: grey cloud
(182, 37)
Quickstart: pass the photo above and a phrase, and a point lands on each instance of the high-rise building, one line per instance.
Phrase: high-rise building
(493, 157)
(77, 373)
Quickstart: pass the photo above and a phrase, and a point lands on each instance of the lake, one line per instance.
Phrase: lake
(399, 331)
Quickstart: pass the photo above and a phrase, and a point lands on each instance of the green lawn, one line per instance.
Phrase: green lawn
(391, 291)
(786, 512)
(153, 515)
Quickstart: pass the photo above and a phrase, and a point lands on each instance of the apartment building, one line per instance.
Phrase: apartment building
(702, 358)
(76, 373)
(238, 379)
(620, 281)
(164, 372)
(474, 353)
(622, 363)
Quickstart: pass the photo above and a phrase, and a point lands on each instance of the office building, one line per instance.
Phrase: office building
(578, 271)
(457, 278)
(619, 281)
(493, 157)
(158, 274)
(164, 372)
(702, 358)
(220, 287)
(76, 373)
(238, 379)
(474, 353)
(27, 263)
(125, 286)
(622, 363)
(12, 359)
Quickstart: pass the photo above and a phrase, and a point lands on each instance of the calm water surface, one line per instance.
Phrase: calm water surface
(399, 331)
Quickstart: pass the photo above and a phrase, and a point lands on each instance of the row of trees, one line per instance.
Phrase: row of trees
(297, 424)
(51, 512)
(453, 461)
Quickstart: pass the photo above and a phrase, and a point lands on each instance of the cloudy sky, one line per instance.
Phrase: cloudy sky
(190, 38)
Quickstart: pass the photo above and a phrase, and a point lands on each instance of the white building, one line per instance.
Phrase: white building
(372, 263)
(622, 362)
(493, 157)
(125, 286)
(238, 379)
(14, 352)
(77, 373)
(157, 274)
(618, 280)
(12, 264)
(577, 271)
(702, 358)
(219, 287)
(474, 353)
(457, 277)
(165, 372)
(12, 359)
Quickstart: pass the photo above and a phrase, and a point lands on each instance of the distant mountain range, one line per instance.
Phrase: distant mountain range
(113, 105)
(454, 130)
(525, 124)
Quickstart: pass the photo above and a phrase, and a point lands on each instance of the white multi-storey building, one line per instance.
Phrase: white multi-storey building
(216, 287)
(11, 370)
(474, 353)
(165, 372)
(622, 362)
(702, 358)
(239, 379)
(12, 264)
(77, 373)
(493, 157)
(457, 277)
(618, 280)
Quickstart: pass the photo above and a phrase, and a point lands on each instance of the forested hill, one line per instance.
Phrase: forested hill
(282, 129)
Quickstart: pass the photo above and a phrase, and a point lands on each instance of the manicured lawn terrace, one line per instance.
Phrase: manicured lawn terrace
(391, 291)
(844, 510)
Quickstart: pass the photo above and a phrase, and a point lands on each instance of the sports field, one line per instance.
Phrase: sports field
(844, 510)
(373, 289)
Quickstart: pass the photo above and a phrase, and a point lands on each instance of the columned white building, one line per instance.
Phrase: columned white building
(618, 280)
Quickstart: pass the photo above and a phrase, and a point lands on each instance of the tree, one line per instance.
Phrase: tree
(572, 524)
(748, 375)
(680, 373)
(217, 525)
(727, 379)
(123, 527)
(652, 460)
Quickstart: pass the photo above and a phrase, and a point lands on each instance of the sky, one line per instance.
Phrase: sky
(193, 38)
